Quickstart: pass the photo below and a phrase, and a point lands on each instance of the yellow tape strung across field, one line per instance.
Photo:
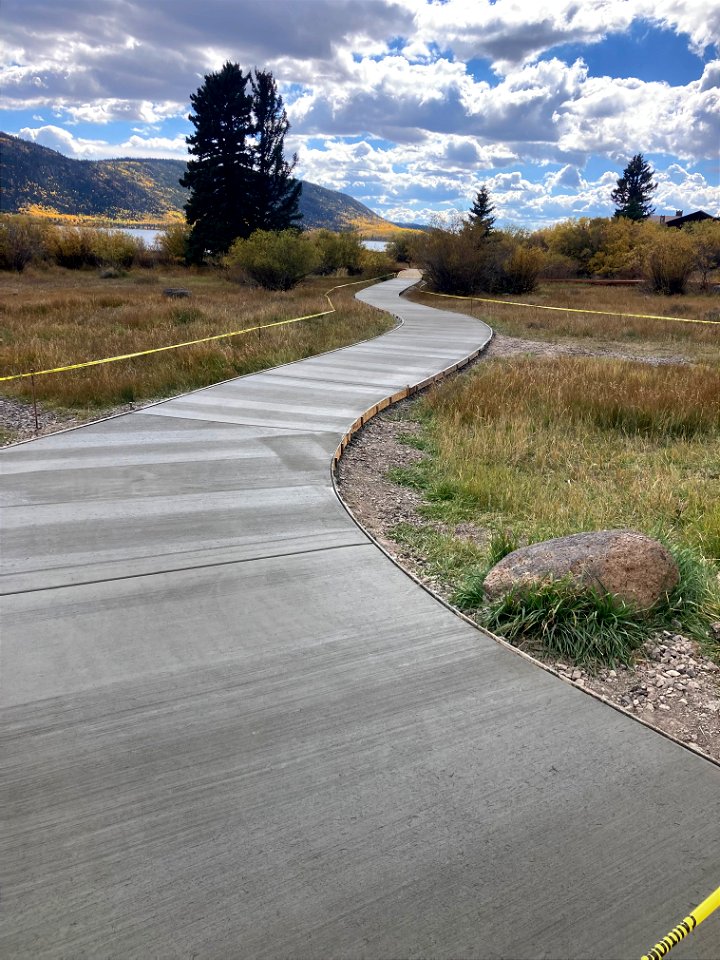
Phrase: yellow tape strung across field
(685, 927)
(190, 343)
(602, 313)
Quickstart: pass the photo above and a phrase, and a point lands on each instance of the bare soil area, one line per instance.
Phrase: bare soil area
(671, 685)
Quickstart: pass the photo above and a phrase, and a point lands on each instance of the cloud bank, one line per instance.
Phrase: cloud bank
(407, 104)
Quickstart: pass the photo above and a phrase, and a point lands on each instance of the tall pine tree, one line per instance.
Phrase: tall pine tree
(482, 210)
(634, 190)
(276, 195)
(238, 178)
(220, 174)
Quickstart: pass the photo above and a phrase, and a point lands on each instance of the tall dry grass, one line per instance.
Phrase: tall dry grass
(640, 335)
(550, 447)
(51, 318)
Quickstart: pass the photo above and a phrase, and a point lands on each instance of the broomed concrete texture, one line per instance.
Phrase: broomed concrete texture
(233, 729)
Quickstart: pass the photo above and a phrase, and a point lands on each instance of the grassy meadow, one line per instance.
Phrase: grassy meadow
(51, 317)
(662, 337)
(524, 449)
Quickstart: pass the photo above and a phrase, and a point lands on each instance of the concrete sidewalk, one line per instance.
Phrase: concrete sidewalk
(231, 728)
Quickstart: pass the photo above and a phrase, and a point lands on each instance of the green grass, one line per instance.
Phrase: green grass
(571, 624)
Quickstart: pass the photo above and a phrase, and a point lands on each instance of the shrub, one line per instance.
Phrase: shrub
(521, 270)
(670, 260)
(706, 240)
(375, 263)
(22, 240)
(338, 252)
(450, 261)
(114, 248)
(275, 260)
(173, 243)
(620, 254)
(401, 246)
(72, 247)
(576, 240)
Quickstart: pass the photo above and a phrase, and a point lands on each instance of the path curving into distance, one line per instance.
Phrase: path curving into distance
(232, 728)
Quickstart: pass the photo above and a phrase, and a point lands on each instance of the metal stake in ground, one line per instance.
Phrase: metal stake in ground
(32, 384)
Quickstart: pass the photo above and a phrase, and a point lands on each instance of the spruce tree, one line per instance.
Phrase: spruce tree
(220, 174)
(276, 195)
(238, 178)
(634, 190)
(482, 210)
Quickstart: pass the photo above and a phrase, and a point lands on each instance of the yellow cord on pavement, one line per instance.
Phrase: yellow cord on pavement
(686, 926)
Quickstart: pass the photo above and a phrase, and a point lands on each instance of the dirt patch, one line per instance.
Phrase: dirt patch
(670, 684)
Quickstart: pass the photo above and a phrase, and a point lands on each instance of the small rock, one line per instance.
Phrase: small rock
(664, 706)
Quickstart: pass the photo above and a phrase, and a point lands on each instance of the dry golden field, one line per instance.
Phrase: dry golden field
(53, 317)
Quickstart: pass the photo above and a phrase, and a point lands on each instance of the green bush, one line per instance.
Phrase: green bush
(114, 248)
(375, 263)
(706, 240)
(401, 246)
(173, 243)
(338, 253)
(274, 260)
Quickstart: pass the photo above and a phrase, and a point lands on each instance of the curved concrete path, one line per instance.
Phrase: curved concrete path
(231, 728)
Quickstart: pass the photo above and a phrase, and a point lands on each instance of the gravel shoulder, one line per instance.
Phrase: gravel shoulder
(670, 685)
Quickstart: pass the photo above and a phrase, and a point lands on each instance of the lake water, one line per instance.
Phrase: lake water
(150, 237)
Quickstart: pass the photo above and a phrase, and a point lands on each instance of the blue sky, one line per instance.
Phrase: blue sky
(408, 105)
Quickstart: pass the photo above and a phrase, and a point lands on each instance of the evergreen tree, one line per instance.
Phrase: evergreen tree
(634, 190)
(482, 210)
(276, 195)
(238, 178)
(220, 175)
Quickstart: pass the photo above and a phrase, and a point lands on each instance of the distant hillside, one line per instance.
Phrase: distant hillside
(146, 191)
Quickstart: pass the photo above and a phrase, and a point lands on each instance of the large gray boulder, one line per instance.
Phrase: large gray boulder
(630, 565)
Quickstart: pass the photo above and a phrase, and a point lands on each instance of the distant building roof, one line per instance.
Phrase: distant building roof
(679, 218)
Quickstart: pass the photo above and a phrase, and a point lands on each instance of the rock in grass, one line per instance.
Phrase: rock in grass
(176, 293)
(629, 565)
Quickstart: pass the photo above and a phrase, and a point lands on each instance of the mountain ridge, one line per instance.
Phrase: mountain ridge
(40, 180)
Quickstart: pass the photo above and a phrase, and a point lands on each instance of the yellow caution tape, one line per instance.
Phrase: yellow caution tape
(190, 343)
(685, 927)
(602, 313)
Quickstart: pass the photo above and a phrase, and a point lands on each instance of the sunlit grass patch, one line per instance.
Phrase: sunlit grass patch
(636, 333)
(51, 318)
(541, 448)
